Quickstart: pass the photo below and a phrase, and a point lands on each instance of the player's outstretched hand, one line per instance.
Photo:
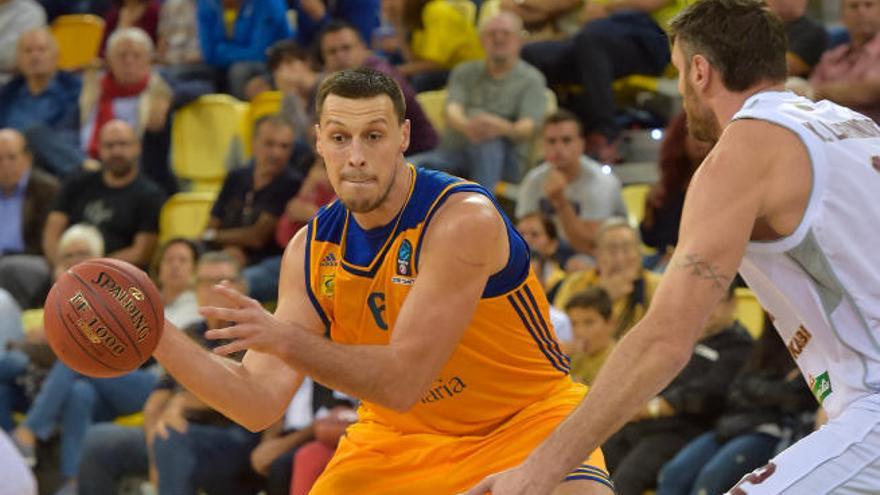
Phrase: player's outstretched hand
(516, 481)
(251, 326)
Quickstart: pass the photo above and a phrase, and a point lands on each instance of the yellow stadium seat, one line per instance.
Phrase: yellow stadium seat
(79, 39)
(201, 136)
(434, 105)
(634, 196)
(185, 214)
(749, 311)
(265, 103)
(467, 8)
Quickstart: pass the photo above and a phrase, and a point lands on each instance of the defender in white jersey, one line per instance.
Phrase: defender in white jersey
(790, 196)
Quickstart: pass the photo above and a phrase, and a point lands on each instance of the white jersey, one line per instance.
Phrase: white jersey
(822, 283)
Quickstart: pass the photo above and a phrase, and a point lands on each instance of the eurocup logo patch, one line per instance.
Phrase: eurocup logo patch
(404, 259)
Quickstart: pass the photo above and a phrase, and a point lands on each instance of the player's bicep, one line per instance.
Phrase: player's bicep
(723, 201)
(461, 251)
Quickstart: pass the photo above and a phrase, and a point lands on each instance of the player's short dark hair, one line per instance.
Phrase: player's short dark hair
(592, 297)
(286, 50)
(563, 115)
(742, 39)
(361, 83)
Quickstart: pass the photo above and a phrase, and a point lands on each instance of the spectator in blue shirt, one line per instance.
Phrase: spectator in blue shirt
(258, 24)
(314, 15)
(41, 102)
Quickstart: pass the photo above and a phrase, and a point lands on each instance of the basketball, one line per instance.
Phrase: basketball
(103, 317)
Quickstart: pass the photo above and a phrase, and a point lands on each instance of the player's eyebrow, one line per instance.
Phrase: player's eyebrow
(378, 120)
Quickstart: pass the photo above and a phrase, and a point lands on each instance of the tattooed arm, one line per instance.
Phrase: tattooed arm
(727, 198)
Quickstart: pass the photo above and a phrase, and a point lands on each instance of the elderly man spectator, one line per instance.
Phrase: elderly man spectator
(130, 90)
(258, 24)
(342, 48)
(850, 74)
(118, 200)
(493, 109)
(574, 190)
(41, 102)
(244, 217)
(26, 194)
(16, 17)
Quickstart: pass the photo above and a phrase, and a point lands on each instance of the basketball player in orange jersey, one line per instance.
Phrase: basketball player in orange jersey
(434, 320)
(788, 196)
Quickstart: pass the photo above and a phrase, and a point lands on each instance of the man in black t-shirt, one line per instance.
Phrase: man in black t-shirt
(246, 212)
(123, 204)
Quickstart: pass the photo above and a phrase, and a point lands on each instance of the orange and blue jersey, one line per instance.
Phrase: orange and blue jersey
(508, 356)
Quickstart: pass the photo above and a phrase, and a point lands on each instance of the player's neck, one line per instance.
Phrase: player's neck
(394, 202)
(728, 105)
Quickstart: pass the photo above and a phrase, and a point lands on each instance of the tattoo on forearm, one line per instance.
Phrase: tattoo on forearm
(704, 270)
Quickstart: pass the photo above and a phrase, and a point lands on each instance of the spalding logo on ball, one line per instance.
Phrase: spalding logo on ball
(104, 317)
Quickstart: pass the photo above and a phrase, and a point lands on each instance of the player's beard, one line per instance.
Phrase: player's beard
(701, 120)
(367, 205)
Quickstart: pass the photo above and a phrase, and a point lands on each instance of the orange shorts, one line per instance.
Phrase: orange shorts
(374, 459)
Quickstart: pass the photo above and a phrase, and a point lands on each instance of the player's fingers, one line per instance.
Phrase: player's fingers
(232, 347)
(230, 333)
(235, 298)
(180, 425)
(161, 431)
(225, 314)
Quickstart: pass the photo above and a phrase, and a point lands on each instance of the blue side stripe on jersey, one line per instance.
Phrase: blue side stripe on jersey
(589, 477)
(546, 338)
(308, 259)
(554, 344)
(534, 335)
(587, 469)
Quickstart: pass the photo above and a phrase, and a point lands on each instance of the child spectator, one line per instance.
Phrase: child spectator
(593, 328)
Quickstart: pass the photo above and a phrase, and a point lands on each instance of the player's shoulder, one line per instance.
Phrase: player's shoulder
(466, 215)
(756, 144)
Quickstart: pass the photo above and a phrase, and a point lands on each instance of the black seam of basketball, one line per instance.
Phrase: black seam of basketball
(110, 312)
(159, 321)
(72, 334)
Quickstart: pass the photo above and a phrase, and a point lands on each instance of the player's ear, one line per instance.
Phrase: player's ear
(318, 139)
(700, 71)
(405, 129)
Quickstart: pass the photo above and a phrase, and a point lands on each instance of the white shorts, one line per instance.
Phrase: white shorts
(843, 457)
